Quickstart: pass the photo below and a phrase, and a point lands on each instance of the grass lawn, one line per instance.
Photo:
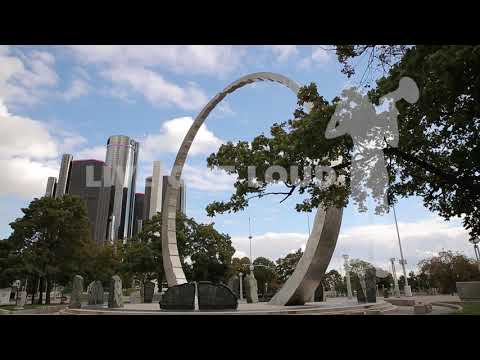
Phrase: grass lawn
(469, 309)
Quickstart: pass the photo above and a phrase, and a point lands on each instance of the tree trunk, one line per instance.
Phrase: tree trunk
(40, 293)
(34, 288)
(49, 289)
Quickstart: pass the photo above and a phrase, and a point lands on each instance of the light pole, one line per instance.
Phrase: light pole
(347, 276)
(396, 290)
(402, 261)
(475, 249)
(250, 239)
(241, 286)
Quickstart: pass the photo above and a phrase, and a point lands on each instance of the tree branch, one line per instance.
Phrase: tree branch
(454, 179)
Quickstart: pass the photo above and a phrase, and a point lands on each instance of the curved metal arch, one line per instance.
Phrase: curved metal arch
(302, 283)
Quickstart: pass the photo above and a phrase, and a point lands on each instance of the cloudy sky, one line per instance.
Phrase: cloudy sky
(57, 99)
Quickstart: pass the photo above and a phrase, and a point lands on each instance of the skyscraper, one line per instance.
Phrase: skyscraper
(156, 194)
(64, 175)
(121, 161)
(146, 201)
(87, 182)
(138, 215)
(181, 198)
(51, 186)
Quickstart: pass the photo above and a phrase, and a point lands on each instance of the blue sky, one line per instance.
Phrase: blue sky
(56, 99)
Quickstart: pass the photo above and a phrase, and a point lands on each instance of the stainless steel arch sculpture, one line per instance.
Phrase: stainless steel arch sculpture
(301, 285)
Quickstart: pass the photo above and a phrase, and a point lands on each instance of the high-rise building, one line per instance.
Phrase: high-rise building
(64, 176)
(51, 186)
(138, 215)
(156, 194)
(181, 198)
(87, 182)
(121, 161)
(146, 201)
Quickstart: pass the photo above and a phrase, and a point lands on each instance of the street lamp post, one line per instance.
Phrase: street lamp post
(241, 286)
(476, 250)
(395, 281)
(402, 261)
(347, 276)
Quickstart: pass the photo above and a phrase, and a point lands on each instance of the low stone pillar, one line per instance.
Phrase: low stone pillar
(77, 293)
(251, 288)
(95, 293)
(115, 296)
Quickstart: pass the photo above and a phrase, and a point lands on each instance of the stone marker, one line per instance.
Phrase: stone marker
(22, 299)
(95, 293)
(361, 298)
(319, 294)
(468, 290)
(77, 293)
(115, 296)
(371, 285)
(234, 284)
(148, 291)
(135, 297)
(215, 297)
(179, 297)
(251, 288)
(5, 296)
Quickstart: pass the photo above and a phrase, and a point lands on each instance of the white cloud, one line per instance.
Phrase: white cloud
(318, 57)
(24, 137)
(171, 136)
(222, 110)
(96, 152)
(375, 243)
(25, 177)
(78, 88)
(207, 180)
(155, 88)
(193, 59)
(272, 245)
(29, 153)
(284, 52)
(25, 77)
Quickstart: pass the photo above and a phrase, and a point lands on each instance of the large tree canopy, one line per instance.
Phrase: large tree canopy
(438, 154)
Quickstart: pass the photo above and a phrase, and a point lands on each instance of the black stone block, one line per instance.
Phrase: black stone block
(216, 297)
(371, 285)
(361, 296)
(319, 294)
(148, 290)
(179, 297)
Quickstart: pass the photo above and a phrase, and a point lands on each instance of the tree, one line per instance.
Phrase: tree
(241, 265)
(210, 252)
(286, 265)
(50, 238)
(437, 158)
(333, 281)
(265, 273)
(444, 270)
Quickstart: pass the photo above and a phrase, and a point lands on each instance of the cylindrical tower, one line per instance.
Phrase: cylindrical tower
(121, 172)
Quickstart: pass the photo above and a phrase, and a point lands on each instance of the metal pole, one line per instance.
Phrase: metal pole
(241, 286)
(477, 255)
(347, 276)
(250, 238)
(395, 281)
(407, 290)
